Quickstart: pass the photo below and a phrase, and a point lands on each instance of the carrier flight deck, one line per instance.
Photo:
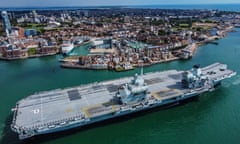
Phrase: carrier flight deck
(62, 109)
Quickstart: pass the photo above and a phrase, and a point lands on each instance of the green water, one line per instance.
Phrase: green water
(213, 118)
(81, 50)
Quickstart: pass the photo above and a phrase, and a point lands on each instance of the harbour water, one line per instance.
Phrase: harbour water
(81, 50)
(212, 118)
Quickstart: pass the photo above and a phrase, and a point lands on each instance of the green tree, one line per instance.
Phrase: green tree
(161, 32)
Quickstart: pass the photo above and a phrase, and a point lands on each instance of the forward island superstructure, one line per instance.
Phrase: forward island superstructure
(62, 109)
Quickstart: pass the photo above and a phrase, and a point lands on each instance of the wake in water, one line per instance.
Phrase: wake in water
(236, 80)
(229, 82)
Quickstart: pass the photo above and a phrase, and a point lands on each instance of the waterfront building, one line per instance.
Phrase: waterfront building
(11, 51)
(6, 22)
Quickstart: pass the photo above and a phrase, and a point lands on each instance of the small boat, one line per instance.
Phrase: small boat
(125, 67)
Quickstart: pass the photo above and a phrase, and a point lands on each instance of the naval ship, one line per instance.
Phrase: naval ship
(62, 109)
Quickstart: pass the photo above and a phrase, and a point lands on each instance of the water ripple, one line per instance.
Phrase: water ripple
(237, 80)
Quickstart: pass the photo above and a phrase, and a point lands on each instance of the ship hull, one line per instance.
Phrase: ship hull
(128, 113)
(60, 110)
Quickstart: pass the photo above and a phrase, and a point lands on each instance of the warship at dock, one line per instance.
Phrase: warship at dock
(62, 109)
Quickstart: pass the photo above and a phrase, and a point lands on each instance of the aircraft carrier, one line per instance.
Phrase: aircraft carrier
(62, 109)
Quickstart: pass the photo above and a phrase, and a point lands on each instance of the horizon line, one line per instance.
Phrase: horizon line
(8, 7)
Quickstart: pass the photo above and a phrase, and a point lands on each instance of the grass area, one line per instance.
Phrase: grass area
(204, 25)
(184, 25)
(33, 25)
(176, 29)
(38, 27)
(32, 51)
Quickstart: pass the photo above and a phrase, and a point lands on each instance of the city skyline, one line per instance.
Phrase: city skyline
(53, 3)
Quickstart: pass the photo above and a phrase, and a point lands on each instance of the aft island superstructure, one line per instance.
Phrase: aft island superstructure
(62, 109)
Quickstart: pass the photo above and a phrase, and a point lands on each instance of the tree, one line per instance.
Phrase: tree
(161, 32)
(142, 31)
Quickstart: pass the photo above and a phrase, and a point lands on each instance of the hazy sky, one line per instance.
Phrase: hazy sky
(29, 3)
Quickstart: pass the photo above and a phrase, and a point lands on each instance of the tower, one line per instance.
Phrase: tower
(6, 22)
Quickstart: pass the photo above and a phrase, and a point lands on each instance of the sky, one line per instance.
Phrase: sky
(55, 3)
